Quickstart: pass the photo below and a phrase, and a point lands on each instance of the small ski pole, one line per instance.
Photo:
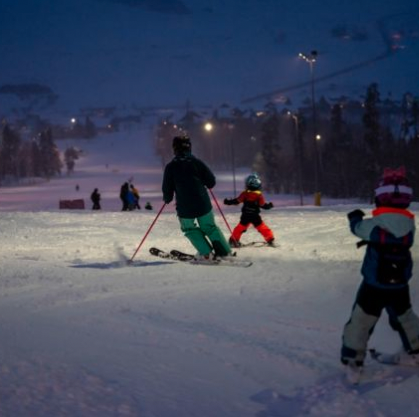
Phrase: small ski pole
(222, 214)
(147, 233)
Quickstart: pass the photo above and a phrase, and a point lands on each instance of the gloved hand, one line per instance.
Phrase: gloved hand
(268, 206)
(228, 201)
(355, 213)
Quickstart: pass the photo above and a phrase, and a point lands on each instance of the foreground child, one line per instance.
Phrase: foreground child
(386, 271)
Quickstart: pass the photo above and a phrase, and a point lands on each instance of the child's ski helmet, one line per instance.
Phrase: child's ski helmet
(253, 182)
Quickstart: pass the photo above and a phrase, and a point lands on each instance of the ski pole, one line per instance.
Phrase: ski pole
(147, 233)
(222, 214)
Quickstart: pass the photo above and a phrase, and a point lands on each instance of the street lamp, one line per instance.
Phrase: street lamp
(319, 146)
(208, 126)
(299, 155)
(311, 60)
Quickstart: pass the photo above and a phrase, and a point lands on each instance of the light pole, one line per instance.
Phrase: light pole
(299, 155)
(319, 147)
(311, 60)
(233, 157)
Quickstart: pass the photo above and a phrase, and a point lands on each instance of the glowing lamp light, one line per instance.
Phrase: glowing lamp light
(208, 127)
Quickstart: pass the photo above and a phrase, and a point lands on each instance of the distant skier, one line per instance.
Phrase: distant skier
(130, 199)
(253, 200)
(386, 271)
(123, 195)
(95, 197)
(188, 178)
(136, 195)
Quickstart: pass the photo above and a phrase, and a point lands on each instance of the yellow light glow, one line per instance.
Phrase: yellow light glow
(208, 127)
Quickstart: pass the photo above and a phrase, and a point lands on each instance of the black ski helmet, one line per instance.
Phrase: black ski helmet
(181, 144)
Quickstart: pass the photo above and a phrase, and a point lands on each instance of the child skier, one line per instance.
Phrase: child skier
(386, 270)
(253, 200)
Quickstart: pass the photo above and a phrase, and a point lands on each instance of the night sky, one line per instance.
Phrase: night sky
(165, 52)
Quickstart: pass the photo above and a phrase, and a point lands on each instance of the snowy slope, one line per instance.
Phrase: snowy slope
(83, 334)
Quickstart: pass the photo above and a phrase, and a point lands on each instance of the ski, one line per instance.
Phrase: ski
(256, 244)
(400, 358)
(161, 254)
(181, 255)
(185, 257)
(229, 261)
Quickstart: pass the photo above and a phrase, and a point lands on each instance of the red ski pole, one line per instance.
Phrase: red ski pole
(222, 214)
(147, 233)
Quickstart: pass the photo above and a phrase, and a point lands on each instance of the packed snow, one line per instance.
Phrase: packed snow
(84, 333)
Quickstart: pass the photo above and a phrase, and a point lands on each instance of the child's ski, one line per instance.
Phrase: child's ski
(400, 358)
(255, 244)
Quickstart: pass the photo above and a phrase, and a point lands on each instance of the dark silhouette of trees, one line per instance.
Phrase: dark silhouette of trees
(90, 130)
(71, 155)
(338, 160)
(271, 150)
(22, 159)
(9, 153)
(358, 140)
(51, 163)
(372, 161)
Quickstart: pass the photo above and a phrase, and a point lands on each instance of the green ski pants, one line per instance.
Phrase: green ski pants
(205, 235)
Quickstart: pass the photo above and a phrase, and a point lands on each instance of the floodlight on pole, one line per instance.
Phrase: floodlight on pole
(208, 127)
(311, 60)
(230, 127)
(298, 154)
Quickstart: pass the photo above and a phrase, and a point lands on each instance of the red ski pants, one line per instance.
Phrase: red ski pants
(262, 228)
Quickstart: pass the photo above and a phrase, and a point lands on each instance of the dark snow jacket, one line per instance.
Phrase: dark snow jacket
(389, 234)
(253, 201)
(188, 178)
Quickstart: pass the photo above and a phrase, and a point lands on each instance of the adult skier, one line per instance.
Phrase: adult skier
(187, 178)
(95, 197)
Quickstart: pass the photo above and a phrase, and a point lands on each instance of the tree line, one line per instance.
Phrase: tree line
(338, 149)
(39, 157)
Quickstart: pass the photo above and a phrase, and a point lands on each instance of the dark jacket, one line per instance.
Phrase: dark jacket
(389, 234)
(253, 201)
(188, 178)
